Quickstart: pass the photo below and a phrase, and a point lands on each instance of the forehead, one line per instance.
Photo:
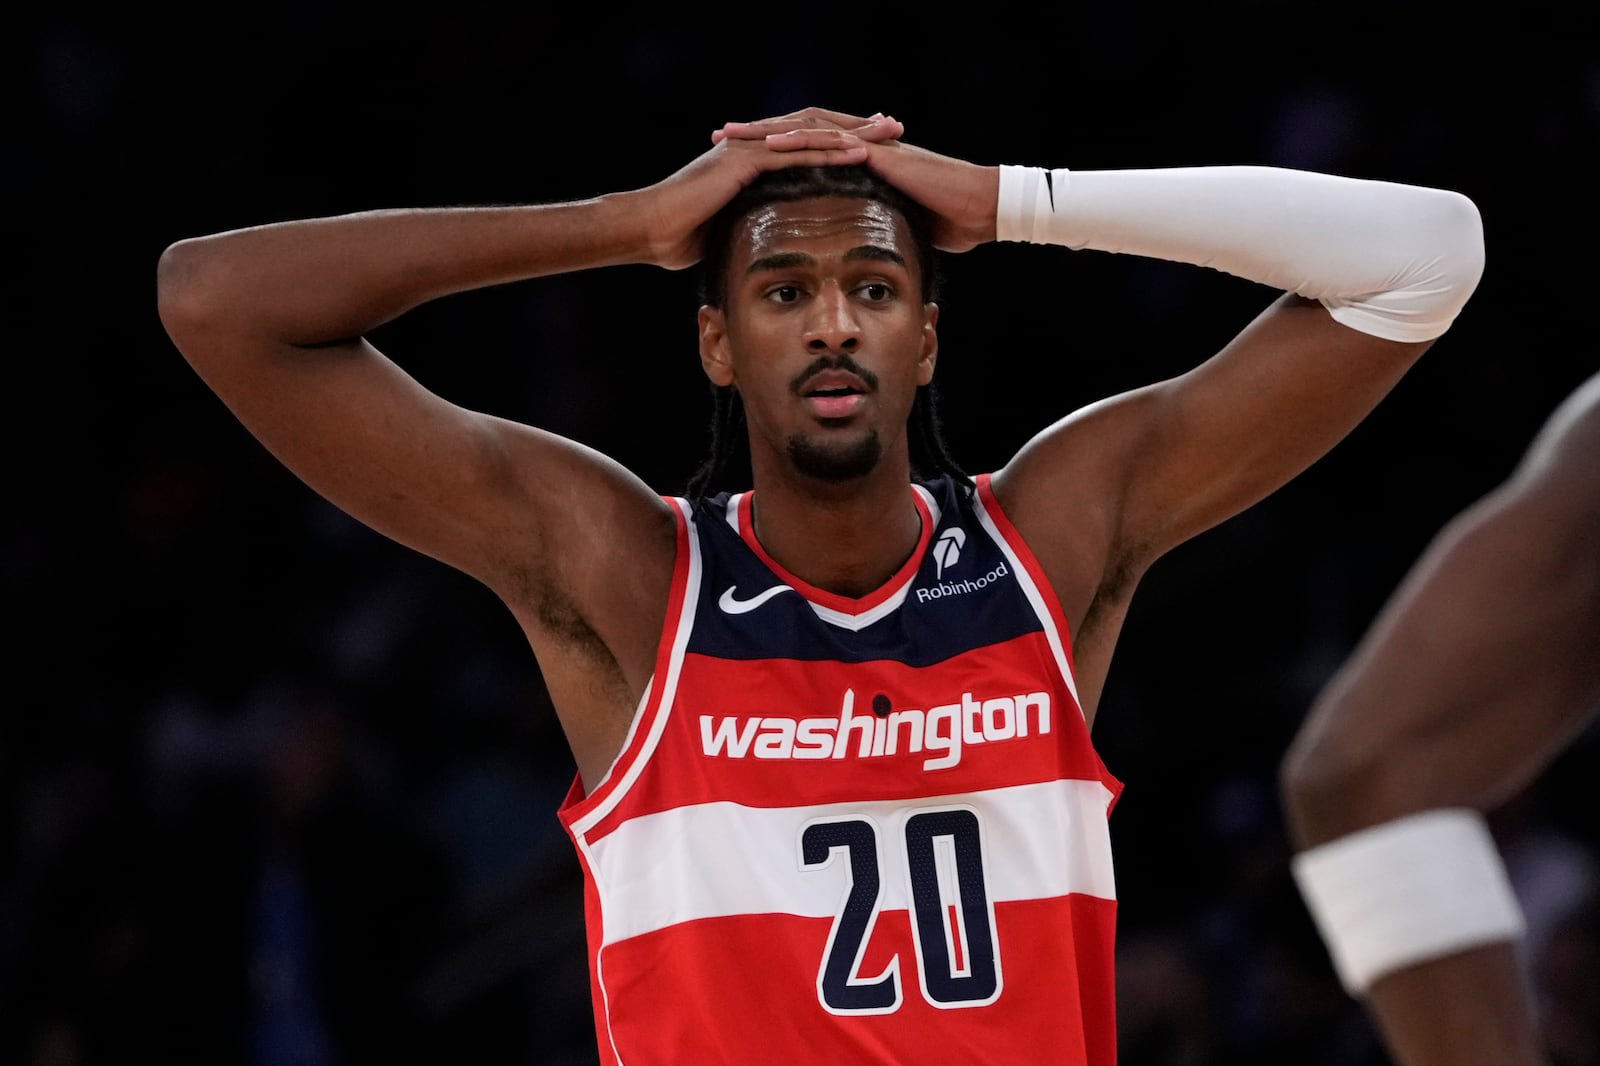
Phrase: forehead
(820, 226)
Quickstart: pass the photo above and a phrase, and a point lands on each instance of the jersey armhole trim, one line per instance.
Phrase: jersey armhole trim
(991, 513)
(579, 812)
(1047, 592)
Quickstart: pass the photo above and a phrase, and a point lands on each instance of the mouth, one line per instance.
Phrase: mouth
(834, 394)
(835, 403)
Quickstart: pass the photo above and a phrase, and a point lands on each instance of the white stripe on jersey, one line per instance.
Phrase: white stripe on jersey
(1039, 841)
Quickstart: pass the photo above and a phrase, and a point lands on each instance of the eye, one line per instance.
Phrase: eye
(783, 294)
(875, 292)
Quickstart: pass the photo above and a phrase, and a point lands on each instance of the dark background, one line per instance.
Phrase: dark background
(276, 791)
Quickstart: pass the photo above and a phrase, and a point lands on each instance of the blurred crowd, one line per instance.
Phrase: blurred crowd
(276, 791)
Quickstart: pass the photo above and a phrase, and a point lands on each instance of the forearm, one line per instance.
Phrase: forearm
(1471, 1008)
(314, 281)
(1397, 261)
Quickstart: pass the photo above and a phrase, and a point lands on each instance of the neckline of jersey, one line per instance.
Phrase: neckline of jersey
(745, 514)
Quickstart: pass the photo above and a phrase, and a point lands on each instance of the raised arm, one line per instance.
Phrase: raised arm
(1371, 273)
(273, 319)
(1479, 670)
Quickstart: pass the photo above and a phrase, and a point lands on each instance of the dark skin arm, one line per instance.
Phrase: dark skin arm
(1109, 489)
(273, 318)
(1477, 673)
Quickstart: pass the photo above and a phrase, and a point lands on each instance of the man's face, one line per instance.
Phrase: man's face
(824, 333)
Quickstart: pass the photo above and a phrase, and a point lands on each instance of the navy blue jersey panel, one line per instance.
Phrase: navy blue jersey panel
(745, 610)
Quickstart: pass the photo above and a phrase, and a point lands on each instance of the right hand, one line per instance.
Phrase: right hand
(678, 207)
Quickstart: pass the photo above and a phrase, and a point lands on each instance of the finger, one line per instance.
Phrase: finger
(809, 118)
(814, 157)
(880, 128)
(815, 115)
(813, 139)
(837, 118)
(755, 131)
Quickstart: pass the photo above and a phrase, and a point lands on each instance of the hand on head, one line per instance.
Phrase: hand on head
(961, 195)
(678, 207)
(812, 127)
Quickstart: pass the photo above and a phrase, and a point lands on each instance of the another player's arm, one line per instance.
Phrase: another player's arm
(1478, 671)
(273, 318)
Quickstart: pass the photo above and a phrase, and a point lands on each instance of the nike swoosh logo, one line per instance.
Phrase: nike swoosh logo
(736, 606)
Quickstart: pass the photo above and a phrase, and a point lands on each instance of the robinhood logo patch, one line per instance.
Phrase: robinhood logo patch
(956, 588)
(947, 550)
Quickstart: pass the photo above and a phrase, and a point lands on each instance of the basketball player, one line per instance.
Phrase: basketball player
(836, 799)
(1480, 669)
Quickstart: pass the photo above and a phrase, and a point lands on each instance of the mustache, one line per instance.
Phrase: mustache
(833, 362)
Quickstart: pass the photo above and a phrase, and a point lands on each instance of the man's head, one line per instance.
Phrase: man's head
(810, 183)
(817, 287)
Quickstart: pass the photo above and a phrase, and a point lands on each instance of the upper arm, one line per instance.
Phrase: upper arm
(513, 506)
(1139, 473)
(1484, 659)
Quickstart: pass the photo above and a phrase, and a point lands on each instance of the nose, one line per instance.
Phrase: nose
(832, 325)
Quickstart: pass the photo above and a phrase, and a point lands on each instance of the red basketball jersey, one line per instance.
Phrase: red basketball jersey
(854, 830)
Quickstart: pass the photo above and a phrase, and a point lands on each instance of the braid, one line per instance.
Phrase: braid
(929, 453)
(725, 411)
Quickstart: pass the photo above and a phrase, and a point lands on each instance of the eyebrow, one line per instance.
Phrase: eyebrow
(789, 260)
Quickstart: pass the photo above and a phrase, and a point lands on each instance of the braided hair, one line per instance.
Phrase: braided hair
(930, 455)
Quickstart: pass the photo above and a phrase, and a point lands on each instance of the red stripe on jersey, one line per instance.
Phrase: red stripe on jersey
(758, 977)
(594, 917)
(748, 702)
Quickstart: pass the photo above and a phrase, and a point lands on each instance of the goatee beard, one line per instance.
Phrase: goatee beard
(844, 462)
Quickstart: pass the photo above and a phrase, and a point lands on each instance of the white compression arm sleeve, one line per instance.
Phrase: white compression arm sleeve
(1396, 261)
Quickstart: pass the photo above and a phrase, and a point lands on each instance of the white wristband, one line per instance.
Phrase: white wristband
(1407, 891)
(1396, 261)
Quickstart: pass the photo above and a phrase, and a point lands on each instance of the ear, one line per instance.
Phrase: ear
(930, 343)
(715, 358)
